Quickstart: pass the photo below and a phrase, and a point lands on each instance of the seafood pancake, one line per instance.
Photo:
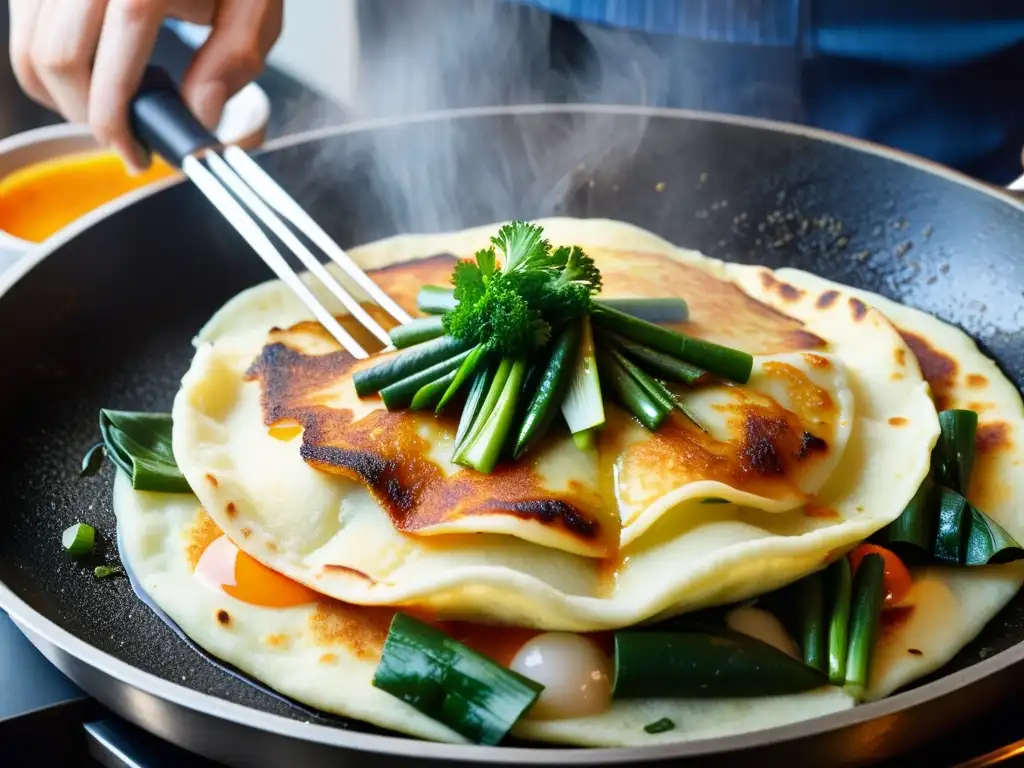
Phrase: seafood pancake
(323, 653)
(824, 446)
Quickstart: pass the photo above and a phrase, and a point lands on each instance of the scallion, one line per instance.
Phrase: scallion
(658, 364)
(866, 609)
(416, 331)
(838, 584)
(401, 393)
(953, 457)
(547, 400)
(810, 596)
(484, 449)
(79, 539)
(370, 381)
(435, 300)
(474, 401)
(583, 405)
(449, 682)
(698, 664)
(469, 366)
(631, 395)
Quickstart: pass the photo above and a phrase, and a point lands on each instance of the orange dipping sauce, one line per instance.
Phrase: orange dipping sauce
(41, 199)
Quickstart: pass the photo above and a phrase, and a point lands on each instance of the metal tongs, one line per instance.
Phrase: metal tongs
(234, 182)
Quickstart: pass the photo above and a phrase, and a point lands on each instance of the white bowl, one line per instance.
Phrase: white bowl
(244, 123)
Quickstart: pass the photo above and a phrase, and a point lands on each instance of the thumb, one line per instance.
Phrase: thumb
(242, 34)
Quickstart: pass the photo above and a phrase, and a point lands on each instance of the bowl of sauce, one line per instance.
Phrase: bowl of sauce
(52, 176)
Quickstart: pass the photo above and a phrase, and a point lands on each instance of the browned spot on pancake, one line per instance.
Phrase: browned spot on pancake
(801, 339)
(230, 510)
(385, 451)
(894, 618)
(817, 361)
(246, 533)
(329, 658)
(994, 436)
(271, 546)
(816, 510)
(938, 368)
(277, 640)
(858, 307)
(827, 299)
(331, 568)
(719, 310)
(976, 380)
(768, 447)
(897, 421)
(202, 533)
(211, 480)
(915, 652)
(901, 356)
(896, 376)
(223, 618)
(979, 408)
(785, 290)
(360, 629)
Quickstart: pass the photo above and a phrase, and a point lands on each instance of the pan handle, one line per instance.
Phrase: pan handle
(163, 123)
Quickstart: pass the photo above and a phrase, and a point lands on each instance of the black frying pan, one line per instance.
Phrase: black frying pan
(104, 317)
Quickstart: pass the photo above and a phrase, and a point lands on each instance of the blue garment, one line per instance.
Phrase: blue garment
(940, 78)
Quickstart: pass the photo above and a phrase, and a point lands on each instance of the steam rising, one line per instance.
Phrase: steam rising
(431, 55)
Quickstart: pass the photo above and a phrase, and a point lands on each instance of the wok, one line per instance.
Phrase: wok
(104, 314)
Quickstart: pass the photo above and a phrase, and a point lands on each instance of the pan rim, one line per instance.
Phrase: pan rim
(399, 746)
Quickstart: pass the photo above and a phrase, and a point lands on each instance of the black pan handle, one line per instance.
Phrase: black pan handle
(163, 123)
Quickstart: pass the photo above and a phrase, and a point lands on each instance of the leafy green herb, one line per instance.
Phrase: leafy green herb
(92, 462)
(140, 445)
(104, 571)
(79, 539)
(660, 726)
(511, 309)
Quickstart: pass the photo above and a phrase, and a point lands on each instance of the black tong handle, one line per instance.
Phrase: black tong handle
(163, 123)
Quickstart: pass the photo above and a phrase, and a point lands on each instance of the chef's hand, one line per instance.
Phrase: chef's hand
(85, 58)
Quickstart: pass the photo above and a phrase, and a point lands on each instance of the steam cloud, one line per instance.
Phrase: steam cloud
(429, 55)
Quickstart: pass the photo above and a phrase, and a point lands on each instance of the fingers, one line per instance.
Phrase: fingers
(63, 46)
(233, 55)
(23, 15)
(128, 34)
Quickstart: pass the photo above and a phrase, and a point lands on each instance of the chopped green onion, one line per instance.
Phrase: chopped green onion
(813, 630)
(435, 300)
(93, 460)
(583, 406)
(714, 358)
(484, 449)
(953, 457)
(658, 364)
(474, 401)
(952, 529)
(79, 539)
(648, 411)
(662, 310)
(838, 582)
(400, 394)
(660, 726)
(495, 387)
(866, 609)
(700, 664)
(714, 500)
(139, 444)
(547, 399)
(585, 440)
(429, 395)
(416, 331)
(450, 683)
(103, 571)
(370, 381)
(465, 371)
